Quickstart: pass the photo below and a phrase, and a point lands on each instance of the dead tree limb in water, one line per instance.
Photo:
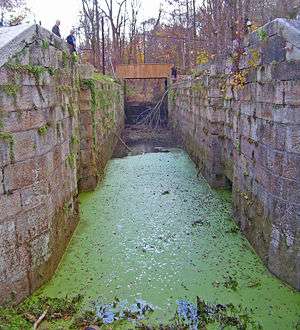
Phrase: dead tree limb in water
(152, 116)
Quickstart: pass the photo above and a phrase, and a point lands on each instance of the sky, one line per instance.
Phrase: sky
(67, 11)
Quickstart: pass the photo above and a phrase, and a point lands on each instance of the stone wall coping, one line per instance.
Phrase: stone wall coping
(288, 29)
(14, 39)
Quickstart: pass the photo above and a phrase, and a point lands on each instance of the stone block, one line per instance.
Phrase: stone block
(275, 161)
(65, 150)
(291, 166)
(214, 93)
(270, 92)
(57, 156)
(286, 114)
(46, 140)
(40, 251)
(7, 237)
(28, 98)
(15, 263)
(292, 190)
(264, 73)
(35, 195)
(264, 132)
(248, 108)
(24, 145)
(20, 175)
(293, 139)
(293, 52)
(5, 77)
(31, 97)
(273, 49)
(23, 121)
(5, 153)
(248, 148)
(285, 71)
(292, 92)
(32, 223)
(263, 177)
(44, 166)
(279, 140)
(10, 205)
(1, 182)
(245, 93)
(7, 102)
(86, 71)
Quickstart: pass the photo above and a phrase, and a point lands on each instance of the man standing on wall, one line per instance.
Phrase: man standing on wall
(56, 29)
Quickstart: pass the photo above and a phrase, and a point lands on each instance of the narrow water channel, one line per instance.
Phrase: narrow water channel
(155, 231)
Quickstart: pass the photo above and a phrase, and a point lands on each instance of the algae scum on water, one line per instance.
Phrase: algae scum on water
(152, 238)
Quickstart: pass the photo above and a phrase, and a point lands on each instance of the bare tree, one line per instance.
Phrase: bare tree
(91, 25)
(116, 23)
(9, 5)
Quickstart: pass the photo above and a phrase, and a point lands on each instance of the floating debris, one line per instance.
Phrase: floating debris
(197, 222)
(116, 311)
(202, 314)
(231, 283)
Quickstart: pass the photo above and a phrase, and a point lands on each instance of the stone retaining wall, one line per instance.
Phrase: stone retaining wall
(101, 120)
(43, 151)
(243, 128)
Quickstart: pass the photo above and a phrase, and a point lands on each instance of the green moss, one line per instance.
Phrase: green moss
(74, 58)
(53, 71)
(12, 320)
(198, 87)
(71, 110)
(173, 95)
(35, 70)
(255, 58)
(231, 283)
(2, 114)
(65, 59)
(74, 140)
(10, 89)
(102, 99)
(72, 159)
(8, 138)
(262, 34)
(245, 173)
(23, 316)
(43, 130)
(103, 78)
(45, 44)
(64, 88)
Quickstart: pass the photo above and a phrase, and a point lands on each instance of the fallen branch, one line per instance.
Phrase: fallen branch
(40, 319)
(123, 142)
(152, 116)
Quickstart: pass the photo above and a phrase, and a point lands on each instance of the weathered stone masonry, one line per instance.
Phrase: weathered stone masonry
(51, 126)
(244, 127)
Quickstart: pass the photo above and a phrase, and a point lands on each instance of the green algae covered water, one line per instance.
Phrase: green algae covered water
(155, 231)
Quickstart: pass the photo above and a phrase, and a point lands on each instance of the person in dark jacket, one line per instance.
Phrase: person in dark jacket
(174, 72)
(72, 41)
(56, 29)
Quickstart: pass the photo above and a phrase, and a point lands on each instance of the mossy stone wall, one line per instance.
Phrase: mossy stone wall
(243, 126)
(42, 145)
